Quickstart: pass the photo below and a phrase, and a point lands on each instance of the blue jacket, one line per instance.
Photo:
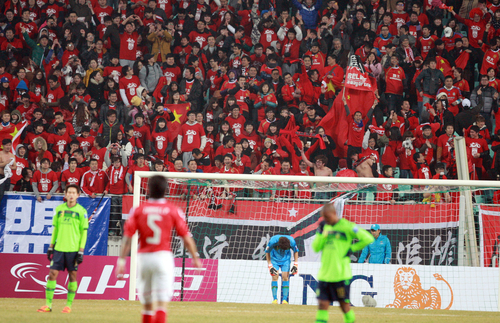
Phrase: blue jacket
(309, 14)
(380, 251)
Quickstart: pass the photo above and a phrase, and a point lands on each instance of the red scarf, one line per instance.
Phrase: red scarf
(115, 171)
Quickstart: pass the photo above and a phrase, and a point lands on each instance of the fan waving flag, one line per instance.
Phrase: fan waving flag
(180, 114)
(444, 66)
(13, 132)
(359, 91)
(462, 59)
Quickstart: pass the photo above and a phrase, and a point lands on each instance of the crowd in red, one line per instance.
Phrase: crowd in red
(240, 86)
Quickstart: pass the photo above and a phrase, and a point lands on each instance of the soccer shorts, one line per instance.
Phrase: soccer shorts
(64, 260)
(333, 291)
(156, 276)
(284, 266)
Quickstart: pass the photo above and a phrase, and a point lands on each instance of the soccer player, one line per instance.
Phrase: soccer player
(278, 257)
(66, 245)
(334, 237)
(154, 220)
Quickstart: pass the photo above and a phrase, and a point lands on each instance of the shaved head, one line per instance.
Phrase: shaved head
(329, 213)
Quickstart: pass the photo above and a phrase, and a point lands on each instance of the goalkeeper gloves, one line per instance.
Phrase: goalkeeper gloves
(79, 258)
(294, 268)
(50, 252)
(272, 270)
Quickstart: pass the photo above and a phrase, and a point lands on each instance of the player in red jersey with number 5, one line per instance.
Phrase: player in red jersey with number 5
(154, 221)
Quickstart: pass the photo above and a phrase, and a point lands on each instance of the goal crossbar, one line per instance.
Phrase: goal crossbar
(321, 179)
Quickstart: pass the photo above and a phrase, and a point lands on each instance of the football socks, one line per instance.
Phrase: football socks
(285, 287)
(274, 288)
(321, 316)
(72, 287)
(349, 317)
(49, 292)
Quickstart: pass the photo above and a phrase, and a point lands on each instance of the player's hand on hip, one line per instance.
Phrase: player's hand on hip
(50, 253)
(272, 270)
(79, 257)
(295, 268)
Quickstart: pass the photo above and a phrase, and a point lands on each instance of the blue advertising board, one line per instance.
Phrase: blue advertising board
(26, 224)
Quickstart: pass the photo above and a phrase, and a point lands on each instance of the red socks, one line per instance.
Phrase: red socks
(147, 316)
(161, 316)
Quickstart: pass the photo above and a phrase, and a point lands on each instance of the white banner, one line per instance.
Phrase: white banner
(424, 287)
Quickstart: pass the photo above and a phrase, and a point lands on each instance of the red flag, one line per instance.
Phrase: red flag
(358, 80)
(359, 91)
(444, 66)
(14, 133)
(180, 113)
(462, 60)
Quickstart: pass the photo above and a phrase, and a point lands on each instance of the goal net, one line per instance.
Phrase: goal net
(444, 240)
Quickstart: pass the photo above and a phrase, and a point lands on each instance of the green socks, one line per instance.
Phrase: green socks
(72, 286)
(49, 292)
(349, 317)
(321, 316)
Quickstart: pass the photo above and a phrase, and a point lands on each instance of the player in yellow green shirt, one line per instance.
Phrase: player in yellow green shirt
(334, 238)
(66, 246)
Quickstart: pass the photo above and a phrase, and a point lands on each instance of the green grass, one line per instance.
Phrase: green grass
(24, 310)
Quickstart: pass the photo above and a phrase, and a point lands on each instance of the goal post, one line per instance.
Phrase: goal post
(233, 216)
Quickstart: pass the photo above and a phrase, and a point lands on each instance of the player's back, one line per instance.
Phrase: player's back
(155, 220)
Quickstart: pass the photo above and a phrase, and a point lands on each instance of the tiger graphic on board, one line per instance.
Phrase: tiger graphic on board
(410, 294)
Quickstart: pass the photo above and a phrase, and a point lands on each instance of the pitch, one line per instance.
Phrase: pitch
(24, 310)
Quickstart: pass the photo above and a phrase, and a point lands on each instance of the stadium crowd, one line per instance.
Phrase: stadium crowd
(105, 85)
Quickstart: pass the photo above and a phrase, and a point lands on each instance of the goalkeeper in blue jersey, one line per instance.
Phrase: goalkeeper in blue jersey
(278, 257)
(334, 238)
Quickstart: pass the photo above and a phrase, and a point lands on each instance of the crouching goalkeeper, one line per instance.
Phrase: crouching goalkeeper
(278, 256)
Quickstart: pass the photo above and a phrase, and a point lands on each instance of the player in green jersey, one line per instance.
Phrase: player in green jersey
(67, 245)
(334, 238)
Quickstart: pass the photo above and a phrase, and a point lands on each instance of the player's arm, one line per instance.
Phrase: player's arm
(388, 251)
(364, 237)
(191, 247)
(272, 270)
(50, 250)
(320, 239)
(363, 256)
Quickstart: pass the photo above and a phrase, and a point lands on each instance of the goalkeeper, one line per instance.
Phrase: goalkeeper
(278, 256)
(334, 237)
(66, 246)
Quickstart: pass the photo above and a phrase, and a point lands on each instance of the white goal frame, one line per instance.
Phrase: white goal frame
(464, 217)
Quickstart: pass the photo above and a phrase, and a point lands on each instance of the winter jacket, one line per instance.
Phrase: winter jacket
(149, 76)
(38, 52)
(121, 112)
(109, 132)
(486, 98)
(96, 91)
(431, 80)
(380, 251)
(195, 97)
(309, 14)
(161, 45)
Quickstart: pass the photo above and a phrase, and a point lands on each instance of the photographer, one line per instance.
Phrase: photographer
(160, 39)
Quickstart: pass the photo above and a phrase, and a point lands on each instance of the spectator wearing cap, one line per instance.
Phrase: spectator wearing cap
(160, 39)
(150, 73)
(466, 118)
(486, 96)
(378, 252)
(449, 38)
